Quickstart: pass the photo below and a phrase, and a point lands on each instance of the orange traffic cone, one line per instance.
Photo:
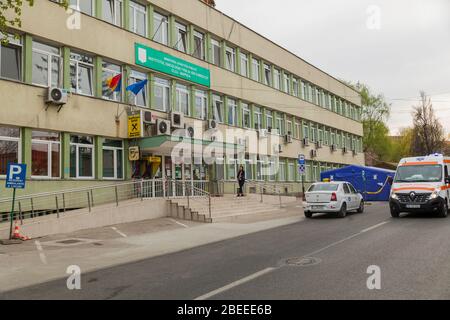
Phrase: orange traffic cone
(16, 234)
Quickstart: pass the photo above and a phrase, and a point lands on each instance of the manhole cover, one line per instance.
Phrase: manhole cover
(303, 262)
(71, 241)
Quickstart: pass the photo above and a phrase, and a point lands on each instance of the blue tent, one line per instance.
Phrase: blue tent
(372, 183)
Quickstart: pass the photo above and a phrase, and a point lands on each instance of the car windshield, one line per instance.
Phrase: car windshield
(419, 173)
(323, 187)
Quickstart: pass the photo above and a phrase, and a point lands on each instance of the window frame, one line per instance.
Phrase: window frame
(13, 139)
(135, 8)
(181, 31)
(162, 27)
(50, 57)
(77, 156)
(117, 3)
(115, 158)
(77, 63)
(166, 87)
(15, 44)
(49, 144)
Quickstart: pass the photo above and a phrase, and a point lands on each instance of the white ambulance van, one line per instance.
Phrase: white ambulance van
(421, 184)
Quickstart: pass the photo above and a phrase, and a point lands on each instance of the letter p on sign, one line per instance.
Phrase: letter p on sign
(16, 175)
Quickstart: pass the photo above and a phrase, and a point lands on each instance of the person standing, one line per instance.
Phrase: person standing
(241, 181)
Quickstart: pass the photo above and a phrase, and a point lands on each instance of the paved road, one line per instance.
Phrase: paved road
(412, 254)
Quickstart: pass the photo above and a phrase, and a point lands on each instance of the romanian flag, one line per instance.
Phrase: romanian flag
(114, 83)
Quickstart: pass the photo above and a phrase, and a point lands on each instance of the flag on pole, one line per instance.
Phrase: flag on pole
(115, 83)
(137, 87)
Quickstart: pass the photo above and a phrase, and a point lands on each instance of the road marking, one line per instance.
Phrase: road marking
(235, 284)
(374, 227)
(179, 223)
(41, 252)
(267, 270)
(119, 232)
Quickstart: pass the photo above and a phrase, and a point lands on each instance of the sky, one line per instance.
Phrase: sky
(397, 47)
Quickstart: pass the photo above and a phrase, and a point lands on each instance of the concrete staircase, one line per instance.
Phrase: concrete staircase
(226, 208)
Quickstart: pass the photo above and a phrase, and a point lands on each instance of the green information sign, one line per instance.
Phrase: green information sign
(165, 63)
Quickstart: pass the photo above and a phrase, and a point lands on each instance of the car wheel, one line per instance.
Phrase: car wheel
(308, 214)
(361, 207)
(343, 212)
(443, 211)
(395, 213)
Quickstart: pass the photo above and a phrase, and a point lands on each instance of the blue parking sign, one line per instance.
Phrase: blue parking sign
(16, 175)
(301, 163)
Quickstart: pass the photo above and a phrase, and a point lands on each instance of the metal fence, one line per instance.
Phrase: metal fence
(59, 202)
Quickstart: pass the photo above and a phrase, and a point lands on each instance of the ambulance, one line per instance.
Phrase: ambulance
(421, 184)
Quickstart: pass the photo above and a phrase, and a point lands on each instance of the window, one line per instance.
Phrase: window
(11, 59)
(162, 92)
(141, 98)
(279, 125)
(161, 27)
(277, 79)
(305, 131)
(82, 73)
(81, 157)
(295, 87)
(231, 59)
(218, 108)
(199, 45)
(138, 18)
(215, 47)
(85, 6)
(46, 65)
(244, 65)
(201, 104)
(269, 120)
(183, 99)
(289, 128)
(248, 168)
(267, 75)
(291, 172)
(232, 112)
(45, 154)
(259, 169)
(258, 118)
(304, 91)
(111, 81)
(112, 11)
(313, 135)
(232, 169)
(9, 147)
(246, 123)
(282, 171)
(272, 169)
(255, 69)
(287, 83)
(112, 159)
(181, 37)
(298, 130)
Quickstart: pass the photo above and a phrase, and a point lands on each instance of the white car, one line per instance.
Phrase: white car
(338, 197)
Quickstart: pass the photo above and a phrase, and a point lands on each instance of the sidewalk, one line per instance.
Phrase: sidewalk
(45, 259)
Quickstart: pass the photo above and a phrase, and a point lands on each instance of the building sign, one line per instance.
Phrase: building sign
(166, 63)
(133, 153)
(134, 126)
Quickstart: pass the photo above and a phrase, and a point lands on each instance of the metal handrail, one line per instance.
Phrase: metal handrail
(54, 193)
(203, 193)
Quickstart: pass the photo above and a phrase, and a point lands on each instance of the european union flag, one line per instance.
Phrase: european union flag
(137, 87)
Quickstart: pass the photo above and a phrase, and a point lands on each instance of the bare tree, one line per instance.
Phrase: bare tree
(429, 136)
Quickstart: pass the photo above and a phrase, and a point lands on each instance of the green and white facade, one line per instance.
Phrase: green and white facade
(252, 84)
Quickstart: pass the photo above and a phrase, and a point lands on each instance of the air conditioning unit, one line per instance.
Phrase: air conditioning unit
(287, 138)
(333, 147)
(313, 153)
(57, 96)
(263, 133)
(163, 127)
(212, 124)
(269, 129)
(189, 132)
(318, 144)
(148, 117)
(277, 148)
(305, 142)
(177, 120)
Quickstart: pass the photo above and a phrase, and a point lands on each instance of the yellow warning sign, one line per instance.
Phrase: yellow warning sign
(134, 126)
